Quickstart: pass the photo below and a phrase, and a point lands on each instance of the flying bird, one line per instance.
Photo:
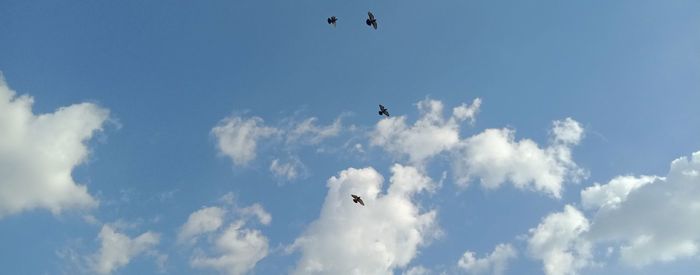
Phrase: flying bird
(371, 21)
(383, 111)
(357, 199)
(332, 20)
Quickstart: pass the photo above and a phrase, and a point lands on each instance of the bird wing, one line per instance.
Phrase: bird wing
(381, 107)
(355, 197)
(374, 24)
(386, 111)
(371, 16)
(360, 201)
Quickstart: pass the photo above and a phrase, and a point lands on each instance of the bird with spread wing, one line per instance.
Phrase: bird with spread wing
(383, 110)
(357, 199)
(332, 20)
(371, 21)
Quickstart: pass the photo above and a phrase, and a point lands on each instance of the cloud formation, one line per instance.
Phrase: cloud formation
(230, 249)
(289, 170)
(641, 219)
(612, 194)
(375, 239)
(238, 249)
(39, 152)
(558, 243)
(202, 221)
(495, 263)
(238, 137)
(495, 157)
(309, 133)
(430, 135)
(650, 218)
(117, 249)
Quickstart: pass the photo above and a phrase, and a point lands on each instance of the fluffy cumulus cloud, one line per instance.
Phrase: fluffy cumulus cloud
(567, 131)
(611, 195)
(559, 243)
(117, 249)
(238, 137)
(641, 219)
(230, 249)
(428, 136)
(495, 263)
(651, 219)
(375, 239)
(38, 153)
(495, 157)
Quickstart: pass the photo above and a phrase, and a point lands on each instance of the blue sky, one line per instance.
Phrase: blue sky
(149, 82)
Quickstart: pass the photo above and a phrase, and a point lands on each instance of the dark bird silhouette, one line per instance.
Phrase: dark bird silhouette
(357, 199)
(332, 20)
(371, 21)
(383, 111)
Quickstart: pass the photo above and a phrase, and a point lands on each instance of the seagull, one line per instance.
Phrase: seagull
(332, 20)
(357, 199)
(371, 21)
(383, 111)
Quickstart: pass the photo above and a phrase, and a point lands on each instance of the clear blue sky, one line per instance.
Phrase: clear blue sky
(170, 71)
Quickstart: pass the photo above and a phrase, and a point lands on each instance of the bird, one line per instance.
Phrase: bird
(371, 21)
(383, 111)
(332, 20)
(357, 199)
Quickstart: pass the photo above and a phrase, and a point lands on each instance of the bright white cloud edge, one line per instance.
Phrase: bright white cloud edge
(383, 235)
(495, 263)
(38, 153)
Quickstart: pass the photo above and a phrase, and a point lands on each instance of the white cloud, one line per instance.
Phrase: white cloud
(493, 156)
(613, 193)
(385, 234)
(286, 170)
(646, 219)
(234, 249)
(496, 157)
(654, 219)
(257, 211)
(558, 243)
(118, 249)
(496, 263)
(432, 134)
(201, 221)
(39, 152)
(467, 112)
(417, 270)
(567, 131)
(238, 137)
(308, 132)
(238, 250)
